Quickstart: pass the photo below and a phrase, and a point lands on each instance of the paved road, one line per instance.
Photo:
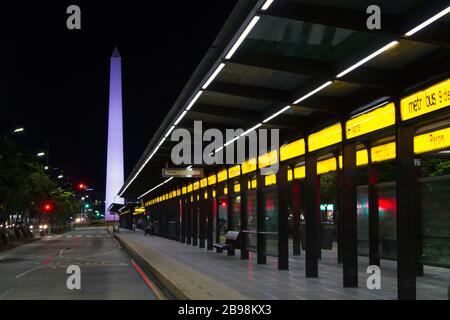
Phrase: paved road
(38, 270)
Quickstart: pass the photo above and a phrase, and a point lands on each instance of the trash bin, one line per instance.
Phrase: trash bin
(326, 235)
(172, 229)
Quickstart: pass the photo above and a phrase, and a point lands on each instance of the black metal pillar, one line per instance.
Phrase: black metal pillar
(230, 213)
(312, 217)
(244, 188)
(406, 233)
(349, 216)
(340, 210)
(209, 208)
(260, 221)
(189, 219)
(195, 220)
(202, 217)
(283, 224)
(183, 219)
(296, 206)
(374, 229)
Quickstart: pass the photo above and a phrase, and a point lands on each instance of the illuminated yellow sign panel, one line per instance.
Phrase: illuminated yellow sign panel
(212, 180)
(249, 166)
(290, 175)
(234, 171)
(292, 150)
(203, 183)
(237, 187)
(178, 192)
(183, 190)
(270, 180)
(189, 188)
(325, 166)
(431, 99)
(222, 175)
(326, 137)
(225, 190)
(383, 153)
(196, 185)
(431, 141)
(268, 159)
(299, 172)
(371, 121)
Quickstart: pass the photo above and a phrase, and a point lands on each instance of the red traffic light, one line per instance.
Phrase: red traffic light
(47, 207)
(81, 186)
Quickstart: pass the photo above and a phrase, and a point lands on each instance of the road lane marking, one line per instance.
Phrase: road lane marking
(30, 270)
(150, 284)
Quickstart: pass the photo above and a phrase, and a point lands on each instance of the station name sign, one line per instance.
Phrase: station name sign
(182, 173)
(371, 121)
(431, 141)
(431, 99)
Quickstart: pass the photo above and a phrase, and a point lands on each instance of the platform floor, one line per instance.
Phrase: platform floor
(266, 282)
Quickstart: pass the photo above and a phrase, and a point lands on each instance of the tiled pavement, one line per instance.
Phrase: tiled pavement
(266, 282)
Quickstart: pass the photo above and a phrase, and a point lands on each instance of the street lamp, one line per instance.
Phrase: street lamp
(60, 176)
(41, 154)
(18, 130)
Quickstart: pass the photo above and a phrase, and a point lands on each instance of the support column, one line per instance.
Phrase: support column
(244, 187)
(260, 221)
(189, 219)
(340, 208)
(219, 193)
(202, 222)
(406, 228)
(283, 232)
(312, 217)
(349, 216)
(374, 229)
(183, 219)
(296, 207)
(195, 220)
(209, 207)
(230, 214)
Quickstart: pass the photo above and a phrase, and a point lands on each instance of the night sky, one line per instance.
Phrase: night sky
(55, 82)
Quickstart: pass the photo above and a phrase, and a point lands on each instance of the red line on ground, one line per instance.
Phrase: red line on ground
(147, 281)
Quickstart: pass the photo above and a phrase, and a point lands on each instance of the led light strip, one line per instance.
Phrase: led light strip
(276, 114)
(266, 5)
(213, 76)
(154, 188)
(251, 129)
(428, 22)
(306, 96)
(370, 57)
(194, 100)
(241, 39)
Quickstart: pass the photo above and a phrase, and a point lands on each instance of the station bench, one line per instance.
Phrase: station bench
(231, 243)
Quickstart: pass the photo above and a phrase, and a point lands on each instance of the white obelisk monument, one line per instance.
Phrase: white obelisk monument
(114, 162)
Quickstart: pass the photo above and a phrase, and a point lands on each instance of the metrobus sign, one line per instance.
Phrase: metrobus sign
(431, 99)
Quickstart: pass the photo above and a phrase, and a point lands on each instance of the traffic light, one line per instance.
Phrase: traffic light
(47, 207)
(87, 205)
(81, 186)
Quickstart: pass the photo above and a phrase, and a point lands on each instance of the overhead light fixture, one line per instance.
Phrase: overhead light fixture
(276, 114)
(60, 176)
(370, 109)
(213, 76)
(266, 5)
(193, 101)
(368, 58)
(180, 118)
(306, 96)
(41, 154)
(154, 188)
(242, 37)
(18, 130)
(428, 22)
(219, 149)
(169, 132)
(251, 129)
(231, 141)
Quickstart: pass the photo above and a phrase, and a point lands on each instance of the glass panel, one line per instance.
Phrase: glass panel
(363, 220)
(435, 220)
(387, 206)
(236, 226)
(222, 218)
(270, 206)
(251, 220)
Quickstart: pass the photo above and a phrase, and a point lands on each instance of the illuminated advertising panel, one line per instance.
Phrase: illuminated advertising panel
(371, 121)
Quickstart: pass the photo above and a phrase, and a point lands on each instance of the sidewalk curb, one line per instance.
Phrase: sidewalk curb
(171, 287)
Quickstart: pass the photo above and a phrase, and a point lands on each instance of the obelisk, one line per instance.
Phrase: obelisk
(114, 162)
